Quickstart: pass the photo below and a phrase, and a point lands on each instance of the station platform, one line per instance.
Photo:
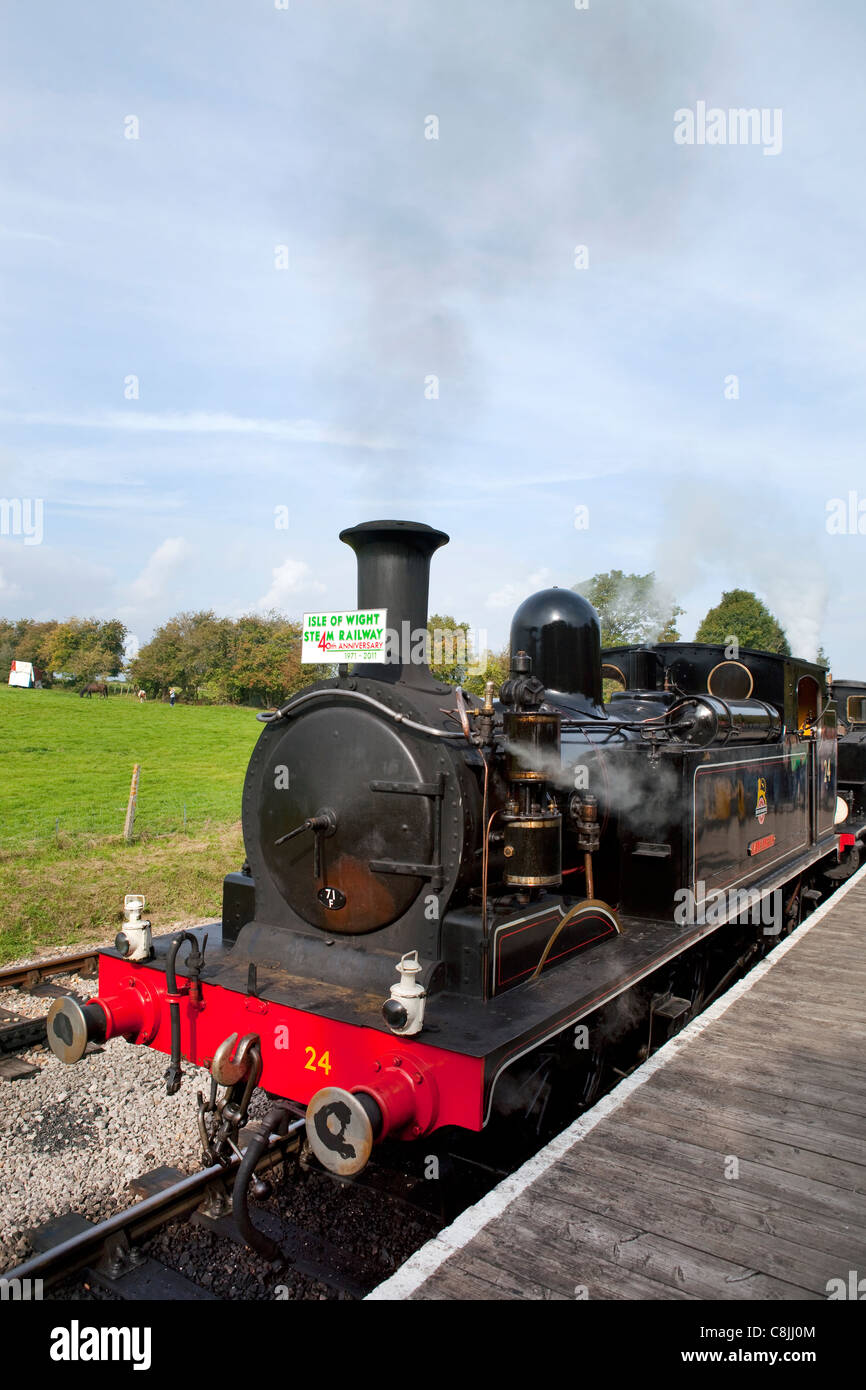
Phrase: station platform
(731, 1165)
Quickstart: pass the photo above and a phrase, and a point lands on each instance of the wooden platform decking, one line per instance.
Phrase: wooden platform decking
(732, 1165)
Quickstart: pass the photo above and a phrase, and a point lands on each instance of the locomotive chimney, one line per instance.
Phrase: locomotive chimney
(394, 573)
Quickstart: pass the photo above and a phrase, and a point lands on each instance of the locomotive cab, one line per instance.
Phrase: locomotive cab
(849, 699)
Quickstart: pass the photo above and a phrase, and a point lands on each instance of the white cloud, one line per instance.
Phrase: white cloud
(7, 590)
(15, 234)
(513, 593)
(161, 570)
(201, 422)
(287, 581)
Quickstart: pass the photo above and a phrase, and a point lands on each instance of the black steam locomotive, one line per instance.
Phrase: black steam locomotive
(453, 904)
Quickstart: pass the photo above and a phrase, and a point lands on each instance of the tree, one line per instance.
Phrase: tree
(160, 662)
(89, 662)
(24, 639)
(743, 617)
(267, 660)
(822, 659)
(632, 608)
(496, 668)
(85, 647)
(254, 660)
(190, 651)
(454, 659)
(207, 644)
(451, 649)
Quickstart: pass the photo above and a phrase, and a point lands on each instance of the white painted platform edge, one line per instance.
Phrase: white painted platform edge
(424, 1263)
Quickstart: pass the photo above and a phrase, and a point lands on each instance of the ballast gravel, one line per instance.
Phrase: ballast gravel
(72, 1138)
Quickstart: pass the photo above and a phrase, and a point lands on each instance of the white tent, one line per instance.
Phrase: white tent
(23, 673)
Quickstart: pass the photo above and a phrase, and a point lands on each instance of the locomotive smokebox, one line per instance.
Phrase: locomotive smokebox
(561, 632)
(394, 573)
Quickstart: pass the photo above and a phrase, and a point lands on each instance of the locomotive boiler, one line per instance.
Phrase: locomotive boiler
(447, 896)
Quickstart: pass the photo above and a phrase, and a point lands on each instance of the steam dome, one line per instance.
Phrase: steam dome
(561, 632)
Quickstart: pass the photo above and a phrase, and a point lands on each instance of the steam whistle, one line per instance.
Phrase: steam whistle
(485, 718)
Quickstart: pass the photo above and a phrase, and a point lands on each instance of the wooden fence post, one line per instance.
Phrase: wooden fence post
(129, 823)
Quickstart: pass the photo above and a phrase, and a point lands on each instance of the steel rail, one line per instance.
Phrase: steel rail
(139, 1220)
(12, 976)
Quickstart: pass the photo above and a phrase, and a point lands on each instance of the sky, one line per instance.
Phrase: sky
(271, 268)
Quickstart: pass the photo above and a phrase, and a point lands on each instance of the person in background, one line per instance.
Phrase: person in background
(171, 695)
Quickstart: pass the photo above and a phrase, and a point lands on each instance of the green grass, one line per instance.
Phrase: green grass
(65, 769)
(65, 895)
(66, 764)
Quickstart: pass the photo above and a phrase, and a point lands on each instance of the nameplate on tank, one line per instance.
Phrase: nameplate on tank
(758, 846)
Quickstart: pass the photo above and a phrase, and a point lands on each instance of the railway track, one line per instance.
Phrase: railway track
(112, 1256)
(34, 973)
(19, 1033)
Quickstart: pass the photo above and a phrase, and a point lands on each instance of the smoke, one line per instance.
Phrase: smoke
(758, 545)
(618, 1018)
(548, 764)
(637, 610)
(662, 603)
(643, 796)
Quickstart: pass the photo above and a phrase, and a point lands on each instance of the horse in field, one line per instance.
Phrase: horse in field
(142, 696)
(96, 688)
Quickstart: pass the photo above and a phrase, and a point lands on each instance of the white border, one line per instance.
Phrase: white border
(426, 1261)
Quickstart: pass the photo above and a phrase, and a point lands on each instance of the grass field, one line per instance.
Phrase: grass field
(65, 768)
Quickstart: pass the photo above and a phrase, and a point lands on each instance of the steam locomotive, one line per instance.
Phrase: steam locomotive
(453, 903)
